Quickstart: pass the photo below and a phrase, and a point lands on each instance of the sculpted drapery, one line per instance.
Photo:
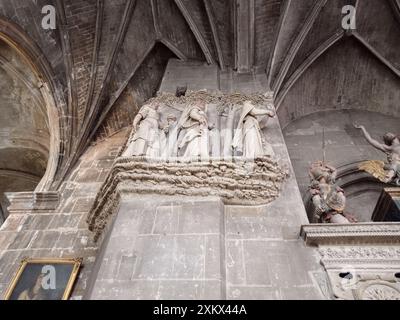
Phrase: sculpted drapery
(248, 138)
(193, 126)
(145, 137)
(157, 132)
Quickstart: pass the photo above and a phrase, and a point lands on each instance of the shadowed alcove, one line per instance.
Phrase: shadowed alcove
(24, 126)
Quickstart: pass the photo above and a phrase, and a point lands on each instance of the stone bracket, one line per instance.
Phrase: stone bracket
(236, 182)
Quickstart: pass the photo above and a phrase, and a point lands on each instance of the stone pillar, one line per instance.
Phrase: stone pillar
(163, 248)
(244, 34)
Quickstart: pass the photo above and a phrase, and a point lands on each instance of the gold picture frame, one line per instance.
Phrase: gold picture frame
(24, 285)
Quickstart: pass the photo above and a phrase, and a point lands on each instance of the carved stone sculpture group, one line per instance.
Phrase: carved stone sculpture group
(170, 131)
(170, 141)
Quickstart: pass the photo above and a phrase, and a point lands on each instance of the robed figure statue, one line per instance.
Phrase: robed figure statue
(248, 138)
(145, 136)
(193, 126)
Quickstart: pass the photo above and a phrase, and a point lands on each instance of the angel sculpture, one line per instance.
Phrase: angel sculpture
(388, 172)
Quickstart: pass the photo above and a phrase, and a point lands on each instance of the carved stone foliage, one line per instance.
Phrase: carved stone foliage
(363, 272)
(237, 182)
(357, 253)
(378, 291)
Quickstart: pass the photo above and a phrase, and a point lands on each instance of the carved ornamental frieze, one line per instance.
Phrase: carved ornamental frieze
(361, 261)
(363, 273)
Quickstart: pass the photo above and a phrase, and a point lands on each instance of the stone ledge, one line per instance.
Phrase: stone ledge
(360, 233)
(31, 202)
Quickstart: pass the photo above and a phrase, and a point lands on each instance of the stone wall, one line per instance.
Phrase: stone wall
(161, 248)
(61, 231)
(81, 17)
(28, 15)
(24, 125)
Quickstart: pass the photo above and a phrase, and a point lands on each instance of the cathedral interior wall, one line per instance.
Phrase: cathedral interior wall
(69, 97)
(328, 84)
(345, 146)
(181, 248)
(63, 231)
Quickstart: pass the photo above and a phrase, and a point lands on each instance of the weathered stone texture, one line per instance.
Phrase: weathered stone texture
(354, 65)
(28, 16)
(162, 249)
(187, 249)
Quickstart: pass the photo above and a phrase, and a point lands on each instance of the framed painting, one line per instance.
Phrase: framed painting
(44, 279)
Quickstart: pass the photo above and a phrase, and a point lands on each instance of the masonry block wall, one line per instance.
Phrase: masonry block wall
(62, 232)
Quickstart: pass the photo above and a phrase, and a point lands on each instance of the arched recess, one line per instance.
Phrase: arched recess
(346, 75)
(44, 82)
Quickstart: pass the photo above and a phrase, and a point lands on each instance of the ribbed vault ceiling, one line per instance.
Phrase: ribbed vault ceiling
(108, 54)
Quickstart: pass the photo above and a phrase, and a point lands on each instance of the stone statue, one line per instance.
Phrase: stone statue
(328, 200)
(169, 138)
(248, 138)
(193, 127)
(323, 172)
(214, 141)
(386, 172)
(145, 136)
(201, 126)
